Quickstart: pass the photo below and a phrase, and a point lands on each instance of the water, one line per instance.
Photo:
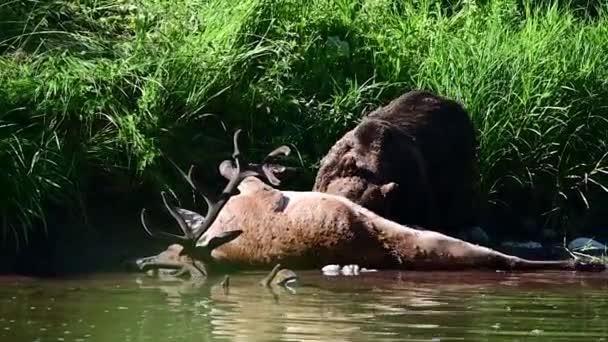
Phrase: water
(385, 306)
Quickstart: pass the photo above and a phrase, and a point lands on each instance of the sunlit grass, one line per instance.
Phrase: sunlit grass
(120, 84)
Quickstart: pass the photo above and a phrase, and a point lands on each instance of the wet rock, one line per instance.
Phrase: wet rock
(588, 246)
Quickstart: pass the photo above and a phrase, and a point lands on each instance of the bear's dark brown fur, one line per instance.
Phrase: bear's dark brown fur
(413, 161)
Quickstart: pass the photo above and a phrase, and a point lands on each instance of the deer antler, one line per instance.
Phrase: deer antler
(198, 224)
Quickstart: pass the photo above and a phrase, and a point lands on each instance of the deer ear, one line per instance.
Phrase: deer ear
(222, 238)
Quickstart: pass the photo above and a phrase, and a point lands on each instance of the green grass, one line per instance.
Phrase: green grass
(117, 86)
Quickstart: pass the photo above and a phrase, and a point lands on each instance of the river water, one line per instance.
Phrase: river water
(383, 306)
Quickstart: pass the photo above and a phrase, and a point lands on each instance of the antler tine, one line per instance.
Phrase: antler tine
(236, 156)
(188, 234)
(159, 233)
(235, 141)
(283, 150)
(188, 178)
(235, 177)
(269, 169)
(229, 190)
(190, 237)
(197, 187)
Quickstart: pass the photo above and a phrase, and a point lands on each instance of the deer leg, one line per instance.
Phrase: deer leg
(427, 250)
(571, 265)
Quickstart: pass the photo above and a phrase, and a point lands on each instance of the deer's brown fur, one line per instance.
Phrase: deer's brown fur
(311, 229)
(255, 225)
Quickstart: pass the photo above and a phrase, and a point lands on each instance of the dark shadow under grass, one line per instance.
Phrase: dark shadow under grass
(99, 95)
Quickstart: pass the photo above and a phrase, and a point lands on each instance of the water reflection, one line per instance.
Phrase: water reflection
(384, 306)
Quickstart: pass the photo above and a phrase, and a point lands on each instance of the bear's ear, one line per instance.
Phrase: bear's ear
(387, 189)
(368, 132)
(348, 165)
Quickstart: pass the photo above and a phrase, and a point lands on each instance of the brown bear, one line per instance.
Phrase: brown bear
(413, 161)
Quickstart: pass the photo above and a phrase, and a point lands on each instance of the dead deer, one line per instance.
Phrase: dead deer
(254, 225)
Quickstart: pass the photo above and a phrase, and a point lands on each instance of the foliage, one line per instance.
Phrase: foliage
(120, 85)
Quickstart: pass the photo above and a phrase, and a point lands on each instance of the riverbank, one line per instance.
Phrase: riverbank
(97, 97)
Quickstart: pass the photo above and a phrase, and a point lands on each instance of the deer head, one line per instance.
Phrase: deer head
(188, 254)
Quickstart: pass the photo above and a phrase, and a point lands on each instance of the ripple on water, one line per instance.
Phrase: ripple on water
(380, 307)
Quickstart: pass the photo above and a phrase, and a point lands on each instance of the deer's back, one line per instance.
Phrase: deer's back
(306, 229)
